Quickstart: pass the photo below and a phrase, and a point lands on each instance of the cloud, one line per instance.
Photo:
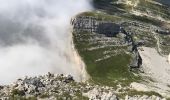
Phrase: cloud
(35, 38)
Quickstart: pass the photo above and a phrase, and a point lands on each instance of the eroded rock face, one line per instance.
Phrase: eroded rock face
(93, 24)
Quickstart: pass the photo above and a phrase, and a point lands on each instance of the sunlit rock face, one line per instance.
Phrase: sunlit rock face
(169, 58)
(35, 38)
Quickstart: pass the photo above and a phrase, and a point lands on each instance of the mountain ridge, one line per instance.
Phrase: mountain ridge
(107, 63)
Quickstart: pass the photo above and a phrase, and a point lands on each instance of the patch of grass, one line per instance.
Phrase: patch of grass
(81, 97)
(16, 97)
(31, 98)
(67, 96)
(144, 19)
(17, 92)
(64, 96)
(101, 16)
(20, 95)
(165, 49)
(147, 36)
(44, 95)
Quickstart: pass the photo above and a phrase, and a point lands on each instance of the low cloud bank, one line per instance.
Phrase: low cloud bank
(35, 38)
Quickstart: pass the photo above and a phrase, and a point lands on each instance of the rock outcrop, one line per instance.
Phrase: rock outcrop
(52, 87)
(60, 87)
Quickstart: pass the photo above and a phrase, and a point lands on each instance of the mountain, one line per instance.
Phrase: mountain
(127, 43)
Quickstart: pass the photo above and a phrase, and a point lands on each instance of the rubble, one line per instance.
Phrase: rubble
(52, 87)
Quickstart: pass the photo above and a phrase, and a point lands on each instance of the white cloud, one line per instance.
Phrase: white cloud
(35, 37)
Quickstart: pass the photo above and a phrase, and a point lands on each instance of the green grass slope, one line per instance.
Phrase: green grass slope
(108, 64)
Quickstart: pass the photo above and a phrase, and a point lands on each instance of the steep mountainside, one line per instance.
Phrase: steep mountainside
(114, 41)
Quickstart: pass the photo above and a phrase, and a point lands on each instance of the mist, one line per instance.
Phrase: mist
(36, 38)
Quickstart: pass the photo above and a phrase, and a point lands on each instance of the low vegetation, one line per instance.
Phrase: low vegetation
(104, 69)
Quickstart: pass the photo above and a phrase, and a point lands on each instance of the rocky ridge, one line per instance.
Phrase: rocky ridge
(60, 87)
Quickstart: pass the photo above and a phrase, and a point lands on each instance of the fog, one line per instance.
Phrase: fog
(35, 38)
